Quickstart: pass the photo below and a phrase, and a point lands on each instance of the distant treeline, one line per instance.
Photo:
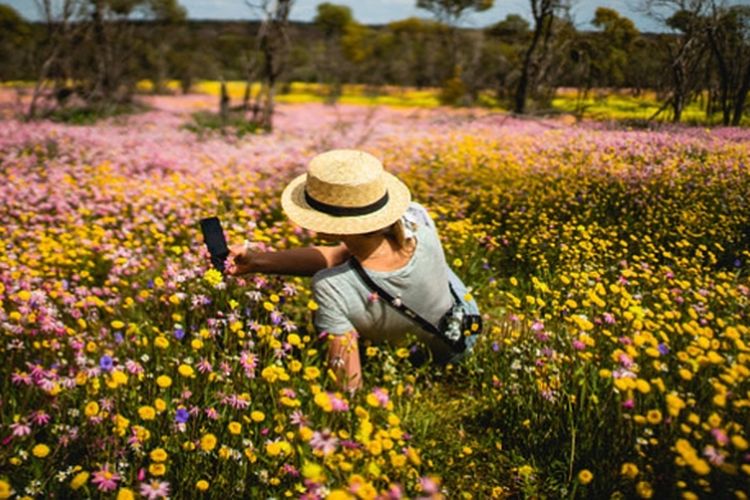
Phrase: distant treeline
(104, 52)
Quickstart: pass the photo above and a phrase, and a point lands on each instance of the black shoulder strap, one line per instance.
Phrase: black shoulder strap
(398, 304)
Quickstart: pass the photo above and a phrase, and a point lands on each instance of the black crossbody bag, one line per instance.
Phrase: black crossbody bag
(453, 326)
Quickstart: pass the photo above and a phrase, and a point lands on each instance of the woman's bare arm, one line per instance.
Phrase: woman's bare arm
(303, 261)
(343, 359)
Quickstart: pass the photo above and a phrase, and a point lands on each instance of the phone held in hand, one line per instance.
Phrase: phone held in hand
(213, 236)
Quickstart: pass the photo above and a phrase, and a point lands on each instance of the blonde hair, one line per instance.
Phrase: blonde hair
(395, 232)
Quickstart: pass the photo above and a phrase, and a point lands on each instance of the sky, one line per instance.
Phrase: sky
(384, 11)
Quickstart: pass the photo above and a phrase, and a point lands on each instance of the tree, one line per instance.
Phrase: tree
(334, 21)
(543, 14)
(450, 13)
(14, 31)
(614, 43)
(114, 41)
(686, 50)
(729, 39)
(273, 43)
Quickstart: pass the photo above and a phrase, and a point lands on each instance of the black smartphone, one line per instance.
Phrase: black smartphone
(213, 236)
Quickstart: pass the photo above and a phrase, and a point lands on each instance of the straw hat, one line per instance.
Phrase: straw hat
(345, 191)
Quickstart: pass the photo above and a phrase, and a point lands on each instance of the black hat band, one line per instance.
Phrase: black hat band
(338, 211)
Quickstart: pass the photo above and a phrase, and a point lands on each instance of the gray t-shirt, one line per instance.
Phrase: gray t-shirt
(345, 302)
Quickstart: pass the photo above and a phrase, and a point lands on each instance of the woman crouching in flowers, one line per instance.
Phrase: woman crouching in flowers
(346, 196)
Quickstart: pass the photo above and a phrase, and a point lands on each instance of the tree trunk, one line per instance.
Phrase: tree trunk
(739, 100)
(724, 77)
(104, 84)
(224, 103)
(523, 82)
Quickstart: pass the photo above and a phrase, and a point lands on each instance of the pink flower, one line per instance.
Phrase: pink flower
(714, 456)
(381, 395)
(204, 366)
(19, 378)
(324, 441)
(721, 437)
(20, 429)
(155, 489)
(39, 417)
(298, 418)
(105, 479)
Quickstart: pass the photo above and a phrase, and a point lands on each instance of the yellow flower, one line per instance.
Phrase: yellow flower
(305, 433)
(294, 339)
(642, 386)
(125, 494)
(585, 476)
(700, 467)
(739, 442)
(161, 342)
(629, 470)
(311, 373)
(160, 405)
(257, 416)
(339, 495)
(40, 450)
(158, 455)
(157, 469)
(213, 277)
(644, 490)
(208, 442)
(119, 377)
(201, 485)
(186, 370)
(79, 480)
(92, 408)
(313, 472)
(163, 381)
(653, 417)
(234, 427)
(312, 305)
(117, 325)
(5, 490)
(398, 460)
(525, 470)
(147, 412)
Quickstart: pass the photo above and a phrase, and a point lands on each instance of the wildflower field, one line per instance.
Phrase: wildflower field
(611, 266)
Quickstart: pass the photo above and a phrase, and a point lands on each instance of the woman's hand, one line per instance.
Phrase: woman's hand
(240, 260)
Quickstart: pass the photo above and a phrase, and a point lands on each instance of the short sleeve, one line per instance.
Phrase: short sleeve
(331, 313)
(417, 215)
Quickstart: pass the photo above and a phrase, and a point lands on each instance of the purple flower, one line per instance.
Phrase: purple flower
(182, 416)
(495, 346)
(105, 362)
(663, 349)
(179, 333)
